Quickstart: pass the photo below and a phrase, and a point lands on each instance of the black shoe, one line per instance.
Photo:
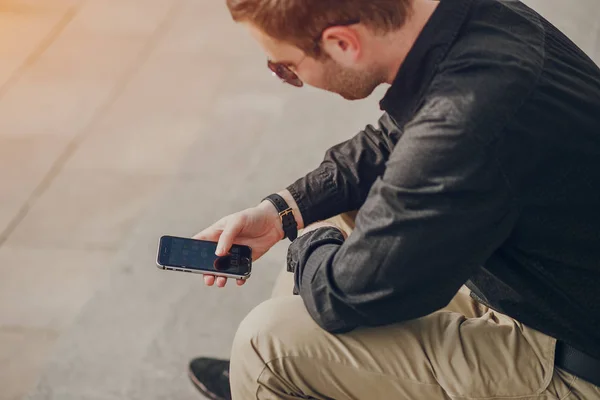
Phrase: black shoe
(211, 377)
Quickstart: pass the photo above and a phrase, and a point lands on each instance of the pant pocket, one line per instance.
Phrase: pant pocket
(499, 358)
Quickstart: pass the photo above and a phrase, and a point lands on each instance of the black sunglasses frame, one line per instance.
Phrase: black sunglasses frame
(284, 72)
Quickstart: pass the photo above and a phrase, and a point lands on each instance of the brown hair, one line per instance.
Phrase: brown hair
(301, 22)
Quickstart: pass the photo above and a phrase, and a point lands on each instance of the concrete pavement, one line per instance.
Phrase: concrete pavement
(120, 121)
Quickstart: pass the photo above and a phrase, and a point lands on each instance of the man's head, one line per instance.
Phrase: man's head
(332, 45)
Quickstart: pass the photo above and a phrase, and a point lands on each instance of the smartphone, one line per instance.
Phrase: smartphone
(198, 256)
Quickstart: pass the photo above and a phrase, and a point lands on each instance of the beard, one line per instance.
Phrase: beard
(348, 83)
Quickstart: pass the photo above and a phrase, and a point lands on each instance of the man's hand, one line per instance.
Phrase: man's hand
(258, 227)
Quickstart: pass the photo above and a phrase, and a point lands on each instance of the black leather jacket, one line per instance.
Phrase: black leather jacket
(484, 169)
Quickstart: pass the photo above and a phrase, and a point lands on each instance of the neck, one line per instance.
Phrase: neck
(396, 45)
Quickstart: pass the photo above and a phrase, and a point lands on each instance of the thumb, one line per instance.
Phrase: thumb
(232, 229)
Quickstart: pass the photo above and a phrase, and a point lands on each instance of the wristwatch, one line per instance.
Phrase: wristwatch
(290, 227)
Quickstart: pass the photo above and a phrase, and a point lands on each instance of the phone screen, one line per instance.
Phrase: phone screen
(200, 255)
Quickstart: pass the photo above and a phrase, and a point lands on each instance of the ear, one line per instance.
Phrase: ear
(343, 44)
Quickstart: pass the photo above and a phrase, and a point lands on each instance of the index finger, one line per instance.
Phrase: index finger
(231, 230)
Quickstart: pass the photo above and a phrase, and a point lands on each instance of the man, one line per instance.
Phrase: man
(484, 171)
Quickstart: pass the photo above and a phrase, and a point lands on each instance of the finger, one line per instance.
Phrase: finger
(233, 228)
(240, 282)
(221, 281)
(209, 280)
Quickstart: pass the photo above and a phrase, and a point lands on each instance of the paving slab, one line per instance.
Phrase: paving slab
(56, 106)
(83, 56)
(23, 352)
(68, 84)
(24, 162)
(160, 113)
(45, 289)
(84, 69)
(21, 33)
(86, 210)
(118, 17)
(217, 36)
(35, 6)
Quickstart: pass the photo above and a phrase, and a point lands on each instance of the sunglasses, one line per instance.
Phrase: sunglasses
(283, 72)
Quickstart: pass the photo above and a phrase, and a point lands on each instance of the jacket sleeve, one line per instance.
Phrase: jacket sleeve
(342, 182)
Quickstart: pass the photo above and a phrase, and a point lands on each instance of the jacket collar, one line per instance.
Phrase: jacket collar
(421, 62)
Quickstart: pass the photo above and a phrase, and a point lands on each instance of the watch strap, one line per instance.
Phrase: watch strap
(286, 214)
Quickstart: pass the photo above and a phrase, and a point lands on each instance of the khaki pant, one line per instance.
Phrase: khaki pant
(462, 351)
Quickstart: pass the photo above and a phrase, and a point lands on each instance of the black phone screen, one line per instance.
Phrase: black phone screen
(200, 255)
